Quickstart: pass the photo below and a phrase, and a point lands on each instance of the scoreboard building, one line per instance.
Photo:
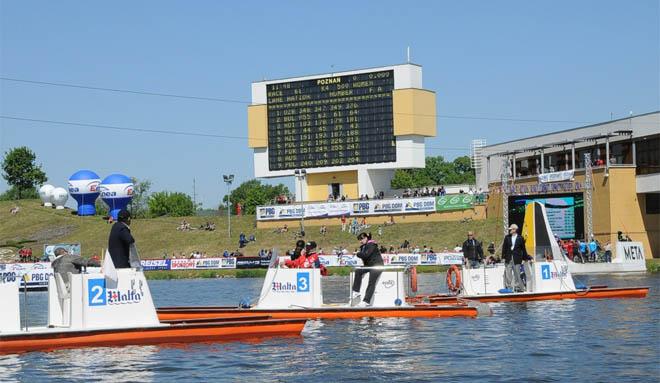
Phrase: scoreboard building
(348, 131)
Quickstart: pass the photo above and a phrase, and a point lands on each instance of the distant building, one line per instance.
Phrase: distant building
(625, 196)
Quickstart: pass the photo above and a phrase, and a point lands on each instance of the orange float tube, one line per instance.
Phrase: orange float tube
(451, 285)
(413, 279)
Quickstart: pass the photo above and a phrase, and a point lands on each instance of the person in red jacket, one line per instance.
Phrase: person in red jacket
(307, 260)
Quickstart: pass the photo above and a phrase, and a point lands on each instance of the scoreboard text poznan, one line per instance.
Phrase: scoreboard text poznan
(332, 121)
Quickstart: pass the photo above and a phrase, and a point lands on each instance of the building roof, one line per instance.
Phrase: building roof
(572, 129)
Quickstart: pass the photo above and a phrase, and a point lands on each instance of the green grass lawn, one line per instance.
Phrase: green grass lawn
(157, 236)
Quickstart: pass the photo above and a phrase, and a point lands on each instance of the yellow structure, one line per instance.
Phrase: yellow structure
(414, 112)
(257, 126)
(317, 184)
(615, 205)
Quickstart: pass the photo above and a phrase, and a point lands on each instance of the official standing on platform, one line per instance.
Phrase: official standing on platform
(370, 256)
(513, 252)
(120, 241)
(472, 251)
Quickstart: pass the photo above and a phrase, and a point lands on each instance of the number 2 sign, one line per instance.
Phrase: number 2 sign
(96, 292)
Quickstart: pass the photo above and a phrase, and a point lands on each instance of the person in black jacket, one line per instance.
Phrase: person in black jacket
(370, 256)
(472, 251)
(120, 241)
(513, 253)
(300, 247)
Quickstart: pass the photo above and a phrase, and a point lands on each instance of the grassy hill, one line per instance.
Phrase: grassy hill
(157, 236)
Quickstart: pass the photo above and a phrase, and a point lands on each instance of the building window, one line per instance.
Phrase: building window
(621, 153)
(652, 203)
(648, 155)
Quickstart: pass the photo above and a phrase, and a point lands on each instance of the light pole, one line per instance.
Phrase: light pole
(300, 175)
(228, 178)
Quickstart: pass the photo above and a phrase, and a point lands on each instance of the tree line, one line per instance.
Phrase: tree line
(23, 175)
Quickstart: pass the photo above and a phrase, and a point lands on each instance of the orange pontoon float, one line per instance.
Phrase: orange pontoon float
(86, 312)
(547, 277)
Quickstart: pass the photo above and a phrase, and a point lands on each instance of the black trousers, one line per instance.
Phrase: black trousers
(371, 287)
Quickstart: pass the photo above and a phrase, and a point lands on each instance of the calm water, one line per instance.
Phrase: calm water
(584, 341)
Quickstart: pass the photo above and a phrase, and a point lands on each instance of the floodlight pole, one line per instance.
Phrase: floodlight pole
(228, 180)
(300, 175)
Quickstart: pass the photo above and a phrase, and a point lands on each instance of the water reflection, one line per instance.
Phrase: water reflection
(571, 340)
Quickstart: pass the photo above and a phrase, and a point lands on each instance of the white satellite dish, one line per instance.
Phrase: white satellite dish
(46, 194)
(60, 195)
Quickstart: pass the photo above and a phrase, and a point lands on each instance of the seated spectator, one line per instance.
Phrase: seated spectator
(252, 238)
(226, 254)
(242, 241)
(458, 248)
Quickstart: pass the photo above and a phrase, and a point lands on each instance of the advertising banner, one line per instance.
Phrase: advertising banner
(215, 263)
(629, 252)
(419, 205)
(454, 202)
(155, 264)
(182, 264)
(556, 176)
(405, 259)
(248, 262)
(368, 207)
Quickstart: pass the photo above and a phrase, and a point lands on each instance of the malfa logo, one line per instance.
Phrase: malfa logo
(388, 283)
(118, 297)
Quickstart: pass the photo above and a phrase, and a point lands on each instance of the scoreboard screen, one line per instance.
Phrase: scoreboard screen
(332, 121)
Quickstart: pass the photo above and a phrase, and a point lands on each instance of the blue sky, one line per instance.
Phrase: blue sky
(575, 61)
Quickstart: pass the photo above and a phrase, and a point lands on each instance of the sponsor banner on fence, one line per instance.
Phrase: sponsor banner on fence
(405, 259)
(215, 263)
(37, 274)
(248, 262)
(419, 205)
(202, 263)
(556, 176)
(182, 264)
(370, 207)
(454, 202)
(155, 264)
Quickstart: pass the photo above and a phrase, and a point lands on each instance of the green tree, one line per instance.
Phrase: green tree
(139, 207)
(253, 193)
(171, 204)
(20, 170)
(12, 194)
(437, 171)
(402, 179)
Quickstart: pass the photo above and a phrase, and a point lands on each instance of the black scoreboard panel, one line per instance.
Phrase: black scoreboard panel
(332, 121)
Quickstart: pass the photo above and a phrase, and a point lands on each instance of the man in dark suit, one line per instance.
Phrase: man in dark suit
(513, 252)
(472, 251)
(120, 241)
